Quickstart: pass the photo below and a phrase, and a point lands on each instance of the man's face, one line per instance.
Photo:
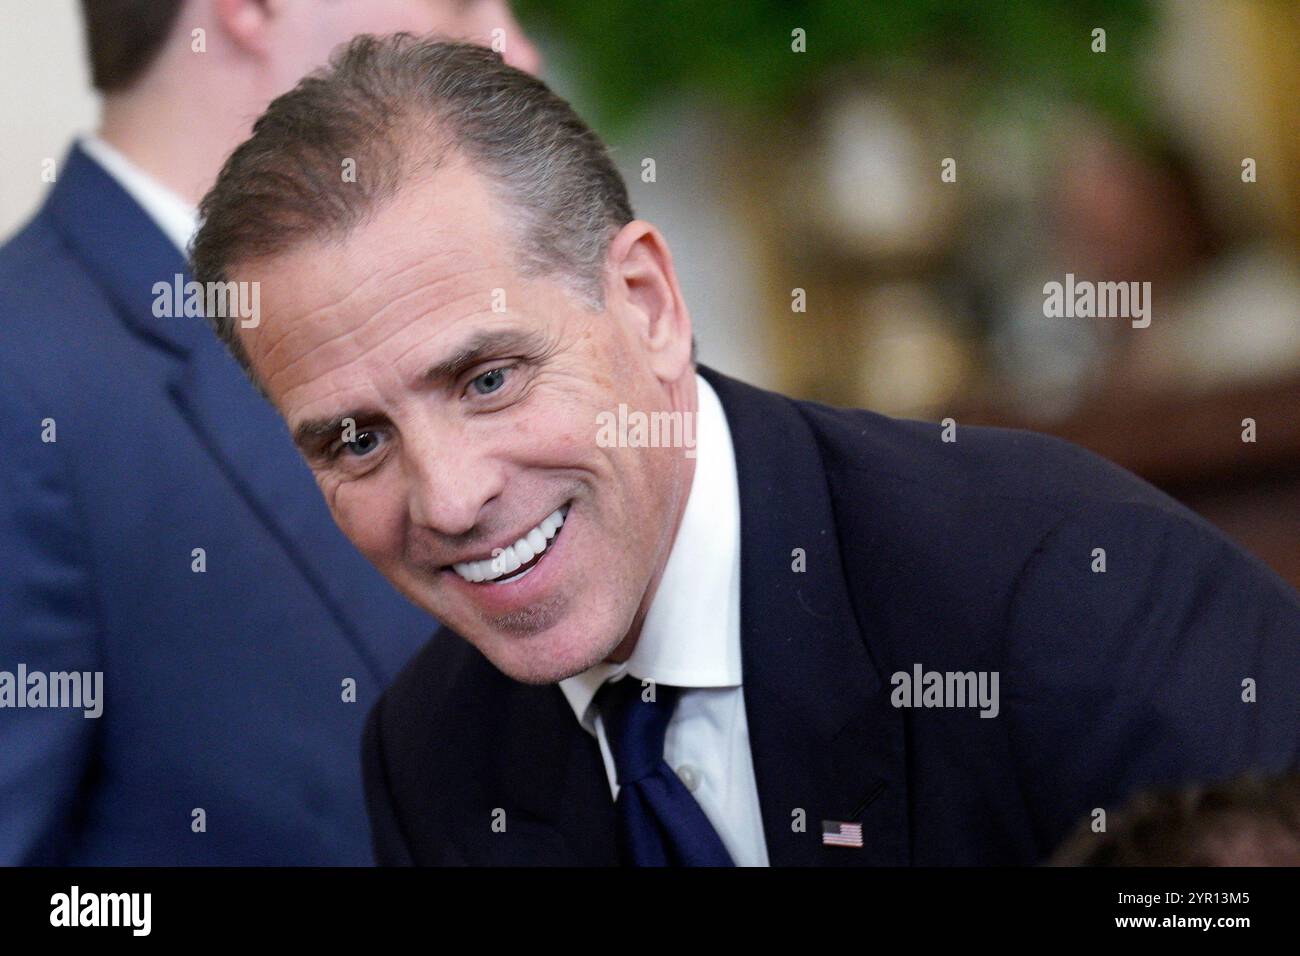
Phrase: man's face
(310, 30)
(475, 395)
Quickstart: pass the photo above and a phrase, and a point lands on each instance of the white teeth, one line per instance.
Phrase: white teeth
(511, 559)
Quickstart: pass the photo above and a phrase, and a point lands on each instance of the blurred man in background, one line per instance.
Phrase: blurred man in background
(156, 525)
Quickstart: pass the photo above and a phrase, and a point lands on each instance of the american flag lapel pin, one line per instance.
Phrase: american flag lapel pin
(840, 833)
(837, 833)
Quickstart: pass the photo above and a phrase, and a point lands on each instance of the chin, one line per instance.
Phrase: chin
(550, 656)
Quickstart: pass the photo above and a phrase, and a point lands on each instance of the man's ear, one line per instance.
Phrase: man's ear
(643, 286)
(246, 22)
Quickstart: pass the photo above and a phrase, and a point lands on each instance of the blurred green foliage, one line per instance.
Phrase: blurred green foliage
(629, 53)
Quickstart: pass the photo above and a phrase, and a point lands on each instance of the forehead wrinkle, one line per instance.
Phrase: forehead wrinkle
(339, 304)
(352, 334)
(290, 392)
(368, 381)
(429, 228)
(397, 360)
(344, 360)
(288, 328)
(326, 398)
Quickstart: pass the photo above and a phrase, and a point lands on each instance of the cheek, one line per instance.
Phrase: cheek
(653, 486)
(371, 513)
(550, 429)
(569, 440)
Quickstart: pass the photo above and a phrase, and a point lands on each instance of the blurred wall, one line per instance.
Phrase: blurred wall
(44, 101)
(714, 249)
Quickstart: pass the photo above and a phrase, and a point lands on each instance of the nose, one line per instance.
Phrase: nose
(448, 484)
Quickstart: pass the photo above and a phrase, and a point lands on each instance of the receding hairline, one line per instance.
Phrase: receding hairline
(421, 155)
(452, 160)
(398, 105)
(423, 175)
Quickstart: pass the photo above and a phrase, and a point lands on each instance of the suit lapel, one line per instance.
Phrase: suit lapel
(543, 770)
(128, 254)
(123, 249)
(825, 739)
(564, 796)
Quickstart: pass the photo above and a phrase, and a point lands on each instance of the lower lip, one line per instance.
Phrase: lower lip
(521, 591)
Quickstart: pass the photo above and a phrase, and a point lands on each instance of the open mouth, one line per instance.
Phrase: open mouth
(514, 562)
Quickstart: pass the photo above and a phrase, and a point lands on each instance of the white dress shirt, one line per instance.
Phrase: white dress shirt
(173, 215)
(691, 639)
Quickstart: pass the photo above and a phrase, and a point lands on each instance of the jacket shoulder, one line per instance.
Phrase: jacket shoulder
(37, 267)
(962, 540)
(995, 464)
(50, 304)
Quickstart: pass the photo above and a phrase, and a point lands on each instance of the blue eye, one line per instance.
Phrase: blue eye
(489, 382)
(365, 443)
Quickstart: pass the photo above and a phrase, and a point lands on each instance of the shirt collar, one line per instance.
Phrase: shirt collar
(691, 634)
(177, 219)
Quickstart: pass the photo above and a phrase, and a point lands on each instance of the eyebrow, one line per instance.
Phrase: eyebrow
(491, 343)
(479, 347)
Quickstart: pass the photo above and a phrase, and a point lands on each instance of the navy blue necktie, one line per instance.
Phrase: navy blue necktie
(660, 823)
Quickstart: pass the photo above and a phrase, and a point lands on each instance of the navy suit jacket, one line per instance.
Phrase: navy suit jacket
(224, 690)
(973, 555)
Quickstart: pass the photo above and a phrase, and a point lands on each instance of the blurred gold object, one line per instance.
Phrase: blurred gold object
(912, 362)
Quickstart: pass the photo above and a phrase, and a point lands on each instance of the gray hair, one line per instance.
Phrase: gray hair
(398, 106)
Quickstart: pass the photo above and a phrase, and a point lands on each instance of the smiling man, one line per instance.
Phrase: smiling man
(515, 393)
(668, 655)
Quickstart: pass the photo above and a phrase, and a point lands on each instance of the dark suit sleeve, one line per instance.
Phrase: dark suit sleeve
(390, 845)
(1141, 675)
(47, 622)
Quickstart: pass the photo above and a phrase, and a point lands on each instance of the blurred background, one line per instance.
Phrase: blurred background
(822, 171)
(865, 199)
